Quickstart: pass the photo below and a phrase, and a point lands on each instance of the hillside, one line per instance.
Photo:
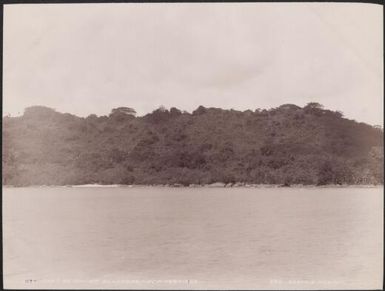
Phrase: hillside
(284, 145)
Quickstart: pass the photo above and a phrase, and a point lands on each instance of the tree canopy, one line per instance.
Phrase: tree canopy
(124, 110)
(283, 145)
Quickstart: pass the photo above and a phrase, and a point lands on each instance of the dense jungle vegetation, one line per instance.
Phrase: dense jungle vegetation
(283, 145)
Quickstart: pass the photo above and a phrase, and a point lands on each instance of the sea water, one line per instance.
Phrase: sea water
(193, 238)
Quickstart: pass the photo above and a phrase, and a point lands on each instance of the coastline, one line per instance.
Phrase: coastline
(214, 185)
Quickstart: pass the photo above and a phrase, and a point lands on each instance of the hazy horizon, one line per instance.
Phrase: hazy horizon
(89, 58)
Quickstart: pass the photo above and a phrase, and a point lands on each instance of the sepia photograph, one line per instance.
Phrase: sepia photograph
(193, 146)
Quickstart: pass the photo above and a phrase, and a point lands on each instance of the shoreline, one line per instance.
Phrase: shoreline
(214, 185)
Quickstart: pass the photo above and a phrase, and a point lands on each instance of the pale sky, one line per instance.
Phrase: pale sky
(90, 58)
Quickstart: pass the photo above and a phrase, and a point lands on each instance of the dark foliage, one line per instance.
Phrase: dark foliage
(284, 145)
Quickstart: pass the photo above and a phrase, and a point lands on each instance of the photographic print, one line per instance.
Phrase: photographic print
(193, 146)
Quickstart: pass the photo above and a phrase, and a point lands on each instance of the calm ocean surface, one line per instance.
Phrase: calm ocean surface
(193, 238)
